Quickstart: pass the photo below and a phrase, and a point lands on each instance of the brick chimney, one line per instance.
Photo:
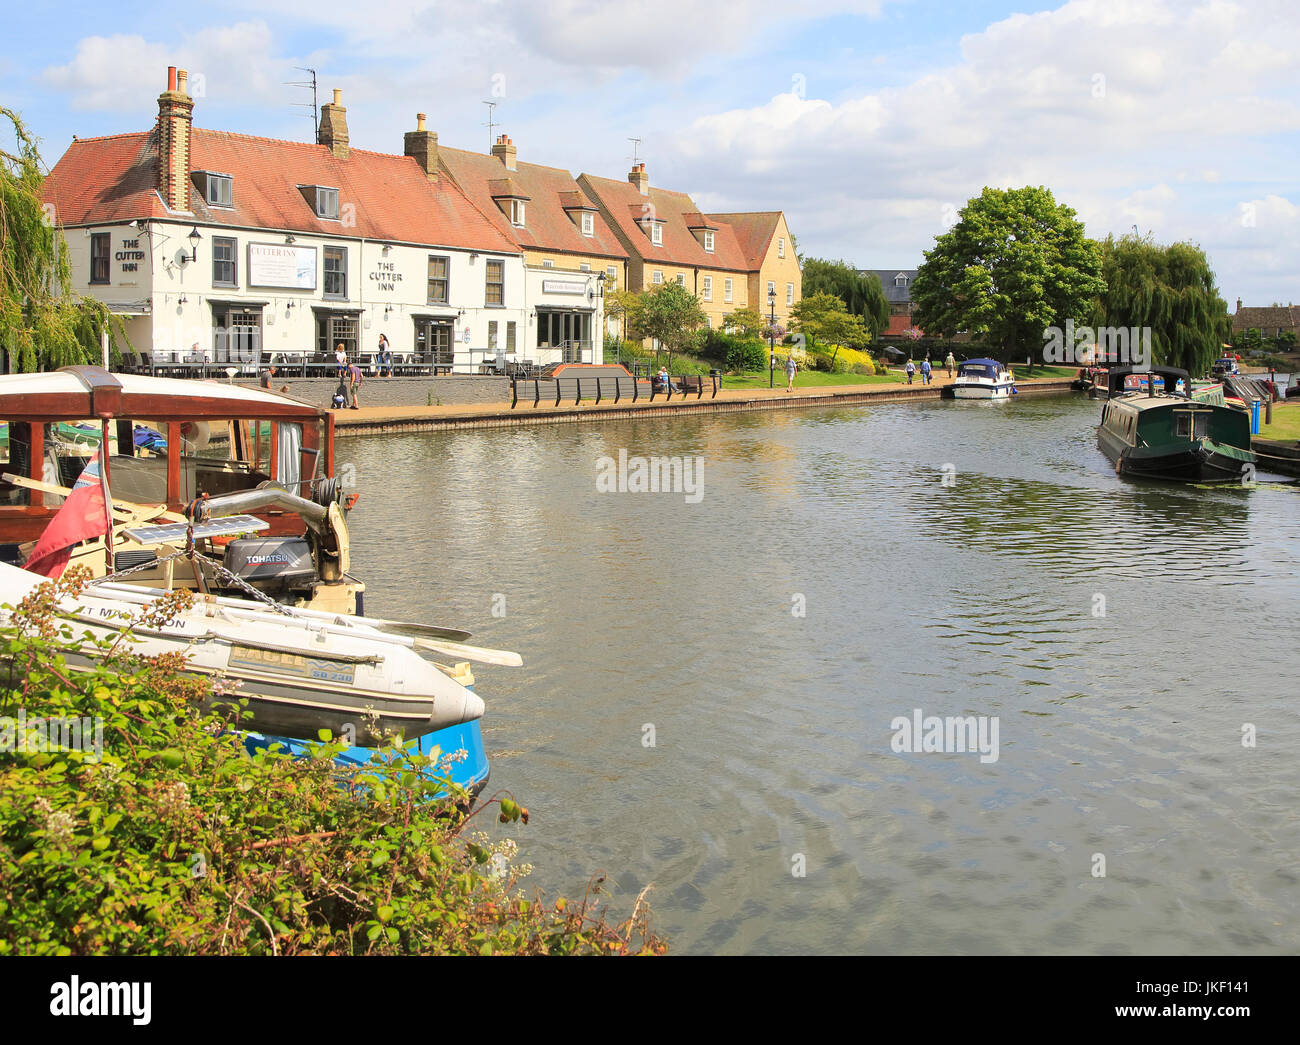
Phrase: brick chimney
(504, 150)
(1238, 304)
(334, 126)
(175, 132)
(638, 177)
(423, 145)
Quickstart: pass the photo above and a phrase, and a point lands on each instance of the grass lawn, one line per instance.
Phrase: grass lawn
(813, 379)
(1286, 422)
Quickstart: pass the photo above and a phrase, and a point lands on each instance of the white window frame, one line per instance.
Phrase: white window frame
(728, 289)
(780, 247)
(584, 267)
(588, 223)
(517, 213)
(658, 277)
(324, 196)
(708, 241)
(656, 234)
(548, 263)
(771, 287)
(789, 294)
(213, 195)
(681, 279)
(706, 290)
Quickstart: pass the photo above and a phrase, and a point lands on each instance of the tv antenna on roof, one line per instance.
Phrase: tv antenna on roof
(492, 107)
(635, 142)
(315, 109)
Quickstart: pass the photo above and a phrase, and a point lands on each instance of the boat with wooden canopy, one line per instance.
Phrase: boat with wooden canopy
(1163, 433)
(254, 469)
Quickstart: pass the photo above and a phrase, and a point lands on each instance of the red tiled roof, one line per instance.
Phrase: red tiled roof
(106, 180)
(101, 180)
(754, 231)
(680, 247)
(547, 225)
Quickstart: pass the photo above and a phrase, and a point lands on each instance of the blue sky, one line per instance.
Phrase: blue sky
(868, 121)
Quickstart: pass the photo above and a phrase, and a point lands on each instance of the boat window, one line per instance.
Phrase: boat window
(1182, 424)
(15, 457)
(1200, 426)
(138, 451)
(219, 457)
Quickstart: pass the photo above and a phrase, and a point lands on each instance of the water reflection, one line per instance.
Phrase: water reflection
(1121, 732)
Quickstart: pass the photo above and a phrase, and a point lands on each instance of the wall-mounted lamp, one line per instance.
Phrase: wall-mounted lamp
(473, 258)
(288, 308)
(388, 310)
(387, 248)
(461, 313)
(288, 239)
(182, 300)
(194, 238)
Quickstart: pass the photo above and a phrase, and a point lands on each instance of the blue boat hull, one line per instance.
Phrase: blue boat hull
(471, 773)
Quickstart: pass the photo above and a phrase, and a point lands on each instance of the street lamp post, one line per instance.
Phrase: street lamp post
(771, 339)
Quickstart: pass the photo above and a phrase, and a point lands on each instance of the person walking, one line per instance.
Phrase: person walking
(791, 367)
(925, 371)
(911, 369)
(355, 377)
(950, 363)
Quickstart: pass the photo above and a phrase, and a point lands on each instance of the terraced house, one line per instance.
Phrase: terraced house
(775, 281)
(668, 238)
(571, 255)
(250, 250)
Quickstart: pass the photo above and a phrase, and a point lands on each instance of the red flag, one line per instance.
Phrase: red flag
(82, 517)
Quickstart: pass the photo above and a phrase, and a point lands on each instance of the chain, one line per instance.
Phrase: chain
(217, 568)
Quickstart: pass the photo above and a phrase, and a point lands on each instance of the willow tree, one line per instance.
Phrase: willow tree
(1015, 263)
(43, 324)
(1169, 289)
(861, 292)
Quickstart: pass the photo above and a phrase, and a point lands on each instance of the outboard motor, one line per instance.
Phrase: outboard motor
(275, 565)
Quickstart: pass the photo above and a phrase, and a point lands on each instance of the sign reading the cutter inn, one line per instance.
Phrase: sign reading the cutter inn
(281, 265)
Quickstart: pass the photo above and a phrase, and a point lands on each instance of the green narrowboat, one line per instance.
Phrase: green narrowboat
(1184, 436)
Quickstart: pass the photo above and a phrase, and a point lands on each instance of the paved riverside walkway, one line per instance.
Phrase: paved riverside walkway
(378, 419)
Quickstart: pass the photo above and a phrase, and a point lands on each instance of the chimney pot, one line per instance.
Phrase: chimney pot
(419, 121)
(182, 81)
(338, 96)
(171, 77)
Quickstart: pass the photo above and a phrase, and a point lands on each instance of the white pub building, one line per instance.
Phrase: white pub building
(234, 249)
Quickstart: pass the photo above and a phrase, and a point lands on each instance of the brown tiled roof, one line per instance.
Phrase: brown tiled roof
(112, 179)
(754, 231)
(548, 226)
(680, 247)
(1266, 318)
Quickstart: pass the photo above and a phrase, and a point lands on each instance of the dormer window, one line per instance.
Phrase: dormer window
(656, 234)
(517, 213)
(326, 203)
(217, 189)
(708, 241)
(221, 190)
(900, 280)
(588, 223)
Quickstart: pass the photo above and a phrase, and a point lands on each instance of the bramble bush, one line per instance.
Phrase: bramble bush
(174, 840)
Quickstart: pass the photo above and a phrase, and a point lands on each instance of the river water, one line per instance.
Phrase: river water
(678, 722)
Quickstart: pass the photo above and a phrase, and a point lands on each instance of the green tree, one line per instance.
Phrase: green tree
(823, 319)
(670, 314)
(747, 323)
(1015, 263)
(861, 293)
(1170, 289)
(43, 324)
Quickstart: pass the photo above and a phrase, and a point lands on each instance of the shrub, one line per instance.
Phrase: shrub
(174, 840)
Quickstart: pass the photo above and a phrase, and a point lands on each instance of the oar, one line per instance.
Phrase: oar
(393, 627)
(334, 624)
(125, 508)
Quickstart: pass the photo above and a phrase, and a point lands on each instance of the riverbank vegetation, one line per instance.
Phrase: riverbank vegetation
(172, 839)
(1286, 423)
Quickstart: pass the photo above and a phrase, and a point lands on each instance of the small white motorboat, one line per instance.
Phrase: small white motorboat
(983, 379)
(300, 670)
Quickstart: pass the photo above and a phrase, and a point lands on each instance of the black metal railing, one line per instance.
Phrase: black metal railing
(597, 388)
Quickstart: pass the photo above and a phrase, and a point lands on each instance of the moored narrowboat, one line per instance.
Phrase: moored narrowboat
(1177, 436)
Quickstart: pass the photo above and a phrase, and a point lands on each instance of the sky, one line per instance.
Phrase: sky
(869, 122)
